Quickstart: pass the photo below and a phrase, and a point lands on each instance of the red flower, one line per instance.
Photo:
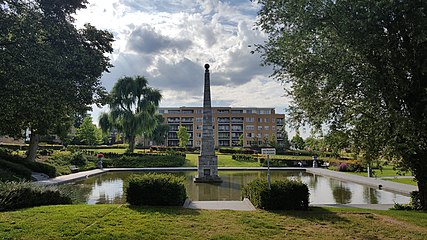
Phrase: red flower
(100, 155)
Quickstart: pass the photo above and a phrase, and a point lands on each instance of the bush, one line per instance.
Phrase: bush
(242, 157)
(18, 169)
(16, 195)
(78, 159)
(283, 195)
(155, 189)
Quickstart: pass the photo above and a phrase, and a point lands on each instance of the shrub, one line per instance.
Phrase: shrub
(16, 195)
(78, 159)
(18, 169)
(283, 195)
(242, 157)
(155, 189)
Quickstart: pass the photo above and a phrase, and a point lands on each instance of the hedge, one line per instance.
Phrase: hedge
(16, 195)
(146, 161)
(283, 195)
(156, 190)
(282, 162)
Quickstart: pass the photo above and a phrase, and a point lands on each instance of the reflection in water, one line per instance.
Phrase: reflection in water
(108, 188)
(342, 194)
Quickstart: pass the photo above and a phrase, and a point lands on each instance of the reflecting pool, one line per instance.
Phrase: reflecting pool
(108, 188)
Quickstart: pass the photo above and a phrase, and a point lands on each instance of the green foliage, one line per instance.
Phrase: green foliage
(183, 136)
(297, 142)
(133, 105)
(146, 161)
(16, 195)
(156, 189)
(242, 157)
(78, 159)
(160, 133)
(88, 133)
(49, 69)
(283, 195)
(358, 66)
(18, 169)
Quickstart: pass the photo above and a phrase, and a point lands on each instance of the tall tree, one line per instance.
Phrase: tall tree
(360, 65)
(183, 136)
(132, 109)
(88, 133)
(49, 69)
(298, 142)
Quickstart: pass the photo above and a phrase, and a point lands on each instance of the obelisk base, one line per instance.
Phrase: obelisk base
(207, 171)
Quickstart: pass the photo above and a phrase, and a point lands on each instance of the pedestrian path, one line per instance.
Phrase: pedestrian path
(244, 205)
(401, 188)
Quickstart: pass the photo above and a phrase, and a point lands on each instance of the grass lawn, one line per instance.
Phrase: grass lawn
(403, 180)
(387, 171)
(125, 222)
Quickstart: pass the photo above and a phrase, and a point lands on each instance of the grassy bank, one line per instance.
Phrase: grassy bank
(125, 222)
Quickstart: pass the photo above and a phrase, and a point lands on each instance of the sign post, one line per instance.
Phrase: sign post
(268, 152)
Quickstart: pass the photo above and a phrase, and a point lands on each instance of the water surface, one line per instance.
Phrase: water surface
(108, 188)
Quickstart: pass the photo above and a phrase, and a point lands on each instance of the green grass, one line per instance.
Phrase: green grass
(403, 180)
(125, 222)
(387, 171)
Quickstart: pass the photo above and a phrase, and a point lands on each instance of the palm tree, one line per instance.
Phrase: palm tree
(132, 109)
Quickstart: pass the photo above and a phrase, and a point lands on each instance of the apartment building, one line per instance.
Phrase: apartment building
(255, 124)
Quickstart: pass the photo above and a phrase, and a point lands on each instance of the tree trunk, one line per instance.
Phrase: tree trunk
(422, 189)
(131, 142)
(32, 149)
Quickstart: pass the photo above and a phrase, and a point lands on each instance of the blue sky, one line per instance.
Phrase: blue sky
(169, 42)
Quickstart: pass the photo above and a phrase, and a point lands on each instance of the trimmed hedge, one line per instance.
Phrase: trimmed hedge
(236, 151)
(156, 190)
(243, 157)
(282, 162)
(283, 195)
(146, 161)
(16, 195)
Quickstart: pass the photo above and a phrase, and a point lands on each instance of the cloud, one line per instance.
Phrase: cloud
(146, 40)
(169, 41)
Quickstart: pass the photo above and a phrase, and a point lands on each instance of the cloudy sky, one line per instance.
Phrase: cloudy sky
(169, 41)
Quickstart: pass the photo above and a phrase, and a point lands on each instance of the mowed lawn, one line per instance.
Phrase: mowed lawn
(126, 222)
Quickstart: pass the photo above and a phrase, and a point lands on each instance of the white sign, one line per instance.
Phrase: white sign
(268, 151)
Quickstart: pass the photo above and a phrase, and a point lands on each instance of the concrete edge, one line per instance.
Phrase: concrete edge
(249, 204)
(186, 203)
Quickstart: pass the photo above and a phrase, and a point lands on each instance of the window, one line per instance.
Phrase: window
(198, 135)
(249, 135)
(273, 128)
(259, 135)
(198, 127)
(267, 128)
(250, 127)
(249, 119)
(266, 135)
(266, 120)
(199, 119)
(259, 120)
(198, 143)
(259, 128)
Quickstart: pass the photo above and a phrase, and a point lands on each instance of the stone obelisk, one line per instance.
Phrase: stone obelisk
(207, 169)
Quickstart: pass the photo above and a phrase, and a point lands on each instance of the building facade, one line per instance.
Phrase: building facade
(257, 125)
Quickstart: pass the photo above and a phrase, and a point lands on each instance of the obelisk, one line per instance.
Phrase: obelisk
(207, 169)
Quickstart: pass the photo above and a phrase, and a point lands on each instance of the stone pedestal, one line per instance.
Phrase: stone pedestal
(207, 170)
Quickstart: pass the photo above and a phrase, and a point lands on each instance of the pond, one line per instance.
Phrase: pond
(108, 188)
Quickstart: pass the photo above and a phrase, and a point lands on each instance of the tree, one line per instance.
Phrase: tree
(88, 133)
(240, 141)
(272, 141)
(160, 133)
(284, 134)
(183, 136)
(358, 65)
(132, 109)
(297, 142)
(49, 70)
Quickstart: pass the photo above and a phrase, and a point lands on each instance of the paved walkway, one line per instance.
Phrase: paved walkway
(244, 205)
(401, 188)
